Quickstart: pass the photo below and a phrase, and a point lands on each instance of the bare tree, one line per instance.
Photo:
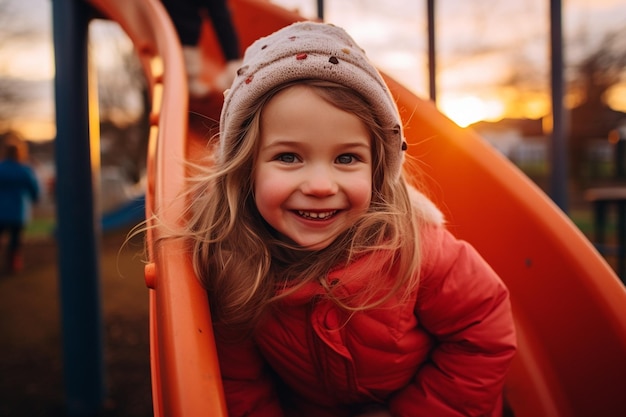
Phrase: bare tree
(592, 78)
(11, 32)
(123, 102)
(601, 69)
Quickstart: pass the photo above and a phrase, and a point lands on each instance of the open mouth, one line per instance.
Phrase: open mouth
(317, 215)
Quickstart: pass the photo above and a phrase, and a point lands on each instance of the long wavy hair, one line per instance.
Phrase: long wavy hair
(245, 267)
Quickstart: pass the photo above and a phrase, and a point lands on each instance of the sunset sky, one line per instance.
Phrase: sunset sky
(481, 44)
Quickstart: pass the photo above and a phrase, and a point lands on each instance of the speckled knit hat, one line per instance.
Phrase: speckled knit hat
(308, 50)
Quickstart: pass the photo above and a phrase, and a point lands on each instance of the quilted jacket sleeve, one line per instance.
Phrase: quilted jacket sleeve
(465, 306)
(248, 387)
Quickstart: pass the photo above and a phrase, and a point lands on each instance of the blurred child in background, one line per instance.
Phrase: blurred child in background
(19, 189)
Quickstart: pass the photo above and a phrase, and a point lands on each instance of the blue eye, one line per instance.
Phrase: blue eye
(345, 159)
(288, 158)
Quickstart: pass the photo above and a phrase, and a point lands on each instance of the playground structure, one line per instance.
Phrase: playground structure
(570, 307)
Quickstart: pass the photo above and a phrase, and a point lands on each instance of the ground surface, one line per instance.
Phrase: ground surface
(31, 368)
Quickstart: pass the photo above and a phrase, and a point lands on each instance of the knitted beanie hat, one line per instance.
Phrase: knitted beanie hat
(308, 50)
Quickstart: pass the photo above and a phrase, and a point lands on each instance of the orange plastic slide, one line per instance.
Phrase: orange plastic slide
(570, 307)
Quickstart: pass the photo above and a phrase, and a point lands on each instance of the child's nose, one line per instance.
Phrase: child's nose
(320, 181)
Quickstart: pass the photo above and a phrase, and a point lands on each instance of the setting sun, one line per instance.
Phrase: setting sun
(465, 110)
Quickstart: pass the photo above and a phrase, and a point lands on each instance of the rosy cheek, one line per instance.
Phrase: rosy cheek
(362, 194)
(269, 189)
(268, 193)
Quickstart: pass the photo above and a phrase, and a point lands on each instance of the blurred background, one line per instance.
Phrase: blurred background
(493, 76)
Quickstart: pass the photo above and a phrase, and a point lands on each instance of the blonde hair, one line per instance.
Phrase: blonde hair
(242, 264)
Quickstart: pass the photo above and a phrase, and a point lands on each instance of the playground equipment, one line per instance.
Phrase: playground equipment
(570, 307)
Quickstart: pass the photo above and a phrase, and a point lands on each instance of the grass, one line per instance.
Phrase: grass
(583, 219)
(31, 362)
(40, 228)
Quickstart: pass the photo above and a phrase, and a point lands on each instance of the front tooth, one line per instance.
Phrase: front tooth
(314, 215)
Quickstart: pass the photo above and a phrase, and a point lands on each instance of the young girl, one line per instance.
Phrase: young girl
(334, 286)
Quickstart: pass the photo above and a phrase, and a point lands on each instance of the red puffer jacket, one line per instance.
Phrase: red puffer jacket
(443, 353)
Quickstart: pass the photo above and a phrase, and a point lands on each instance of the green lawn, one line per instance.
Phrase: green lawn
(40, 228)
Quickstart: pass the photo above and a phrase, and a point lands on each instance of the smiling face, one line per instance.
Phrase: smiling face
(313, 171)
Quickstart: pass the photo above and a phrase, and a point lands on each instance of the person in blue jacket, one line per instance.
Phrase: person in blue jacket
(19, 189)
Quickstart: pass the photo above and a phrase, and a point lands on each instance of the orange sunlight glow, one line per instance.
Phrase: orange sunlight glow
(465, 110)
(35, 130)
(525, 104)
(616, 97)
